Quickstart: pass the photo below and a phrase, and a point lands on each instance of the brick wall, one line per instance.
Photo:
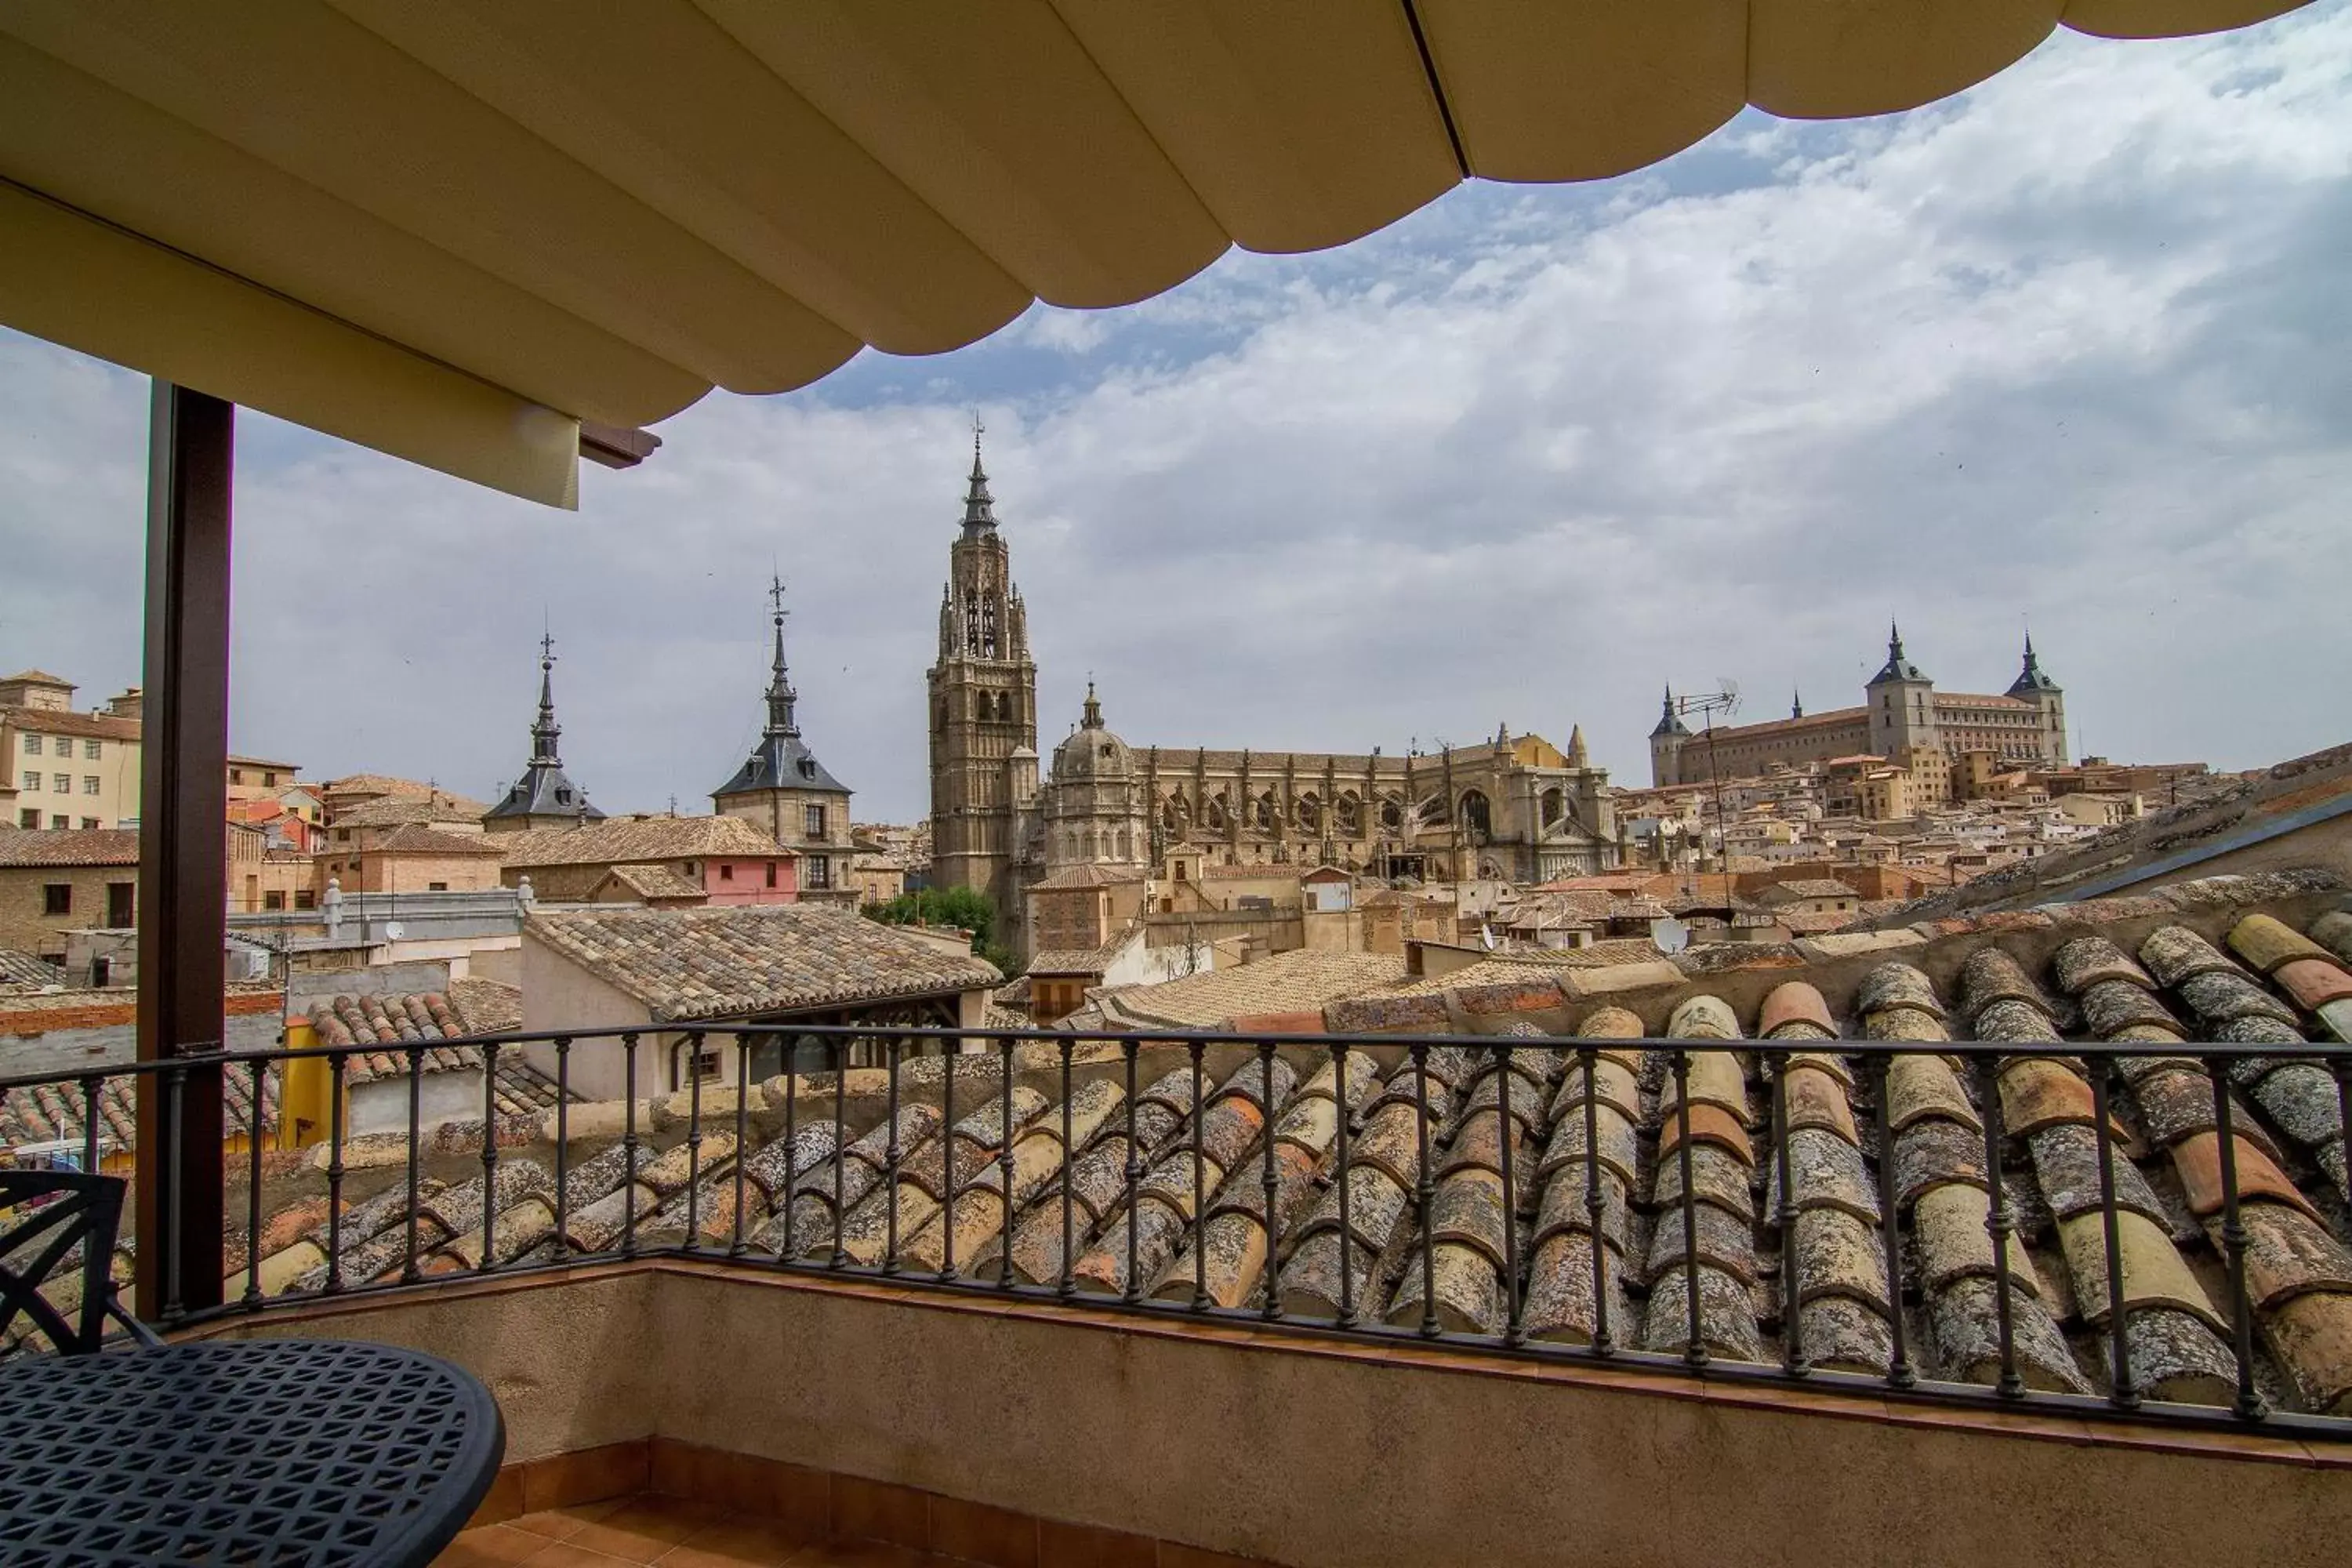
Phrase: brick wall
(24, 925)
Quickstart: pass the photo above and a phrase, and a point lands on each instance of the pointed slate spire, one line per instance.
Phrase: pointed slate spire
(780, 695)
(1669, 722)
(1796, 703)
(543, 793)
(1897, 667)
(1578, 757)
(2030, 679)
(979, 506)
(544, 729)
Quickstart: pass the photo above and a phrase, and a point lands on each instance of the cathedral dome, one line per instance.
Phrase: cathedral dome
(1092, 751)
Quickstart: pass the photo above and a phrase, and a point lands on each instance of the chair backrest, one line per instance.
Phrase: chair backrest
(48, 1213)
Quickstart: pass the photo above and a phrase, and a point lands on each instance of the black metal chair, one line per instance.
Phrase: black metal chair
(50, 1214)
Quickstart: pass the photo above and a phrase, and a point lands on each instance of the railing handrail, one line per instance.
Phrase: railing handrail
(1410, 1071)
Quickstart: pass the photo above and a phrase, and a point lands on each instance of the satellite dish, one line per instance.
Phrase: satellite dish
(391, 931)
(1669, 935)
(1486, 935)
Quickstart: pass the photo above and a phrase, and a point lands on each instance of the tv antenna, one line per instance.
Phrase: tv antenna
(1723, 700)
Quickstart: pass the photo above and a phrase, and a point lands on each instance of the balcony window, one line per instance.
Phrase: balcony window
(820, 870)
(813, 822)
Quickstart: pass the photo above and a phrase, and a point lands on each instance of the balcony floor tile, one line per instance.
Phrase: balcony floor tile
(669, 1532)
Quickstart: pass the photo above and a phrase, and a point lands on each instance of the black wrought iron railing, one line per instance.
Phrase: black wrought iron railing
(2106, 1229)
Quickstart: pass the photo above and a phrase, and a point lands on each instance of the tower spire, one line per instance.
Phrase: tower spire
(780, 695)
(1094, 719)
(544, 729)
(1796, 703)
(979, 506)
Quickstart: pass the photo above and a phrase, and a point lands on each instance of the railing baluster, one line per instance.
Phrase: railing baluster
(743, 1134)
(483, 1264)
(1792, 1328)
(891, 1155)
(1998, 1224)
(791, 1150)
(693, 1141)
(1694, 1345)
(1513, 1333)
(947, 1166)
(336, 1067)
(253, 1189)
(629, 1143)
(175, 1084)
(1069, 1285)
(1270, 1181)
(562, 1147)
(1595, 1206)
(2124, 1396)
(840, 1049)
(1899, 1372)
(2250, 1404)
(2342, 1068)
(93, 1088)
(1134, 1292)
(1347, 1319)
(1200, 1198)
(1424, 1192)
(409, 1272)
(1004, 1160)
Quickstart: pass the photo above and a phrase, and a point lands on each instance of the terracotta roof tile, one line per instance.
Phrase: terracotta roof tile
(621, 840)
(717, 962)
(68, 847)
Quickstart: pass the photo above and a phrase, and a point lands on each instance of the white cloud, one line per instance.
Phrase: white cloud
(2067, 347)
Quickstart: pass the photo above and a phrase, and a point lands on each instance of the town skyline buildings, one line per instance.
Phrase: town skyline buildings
(1761, 397)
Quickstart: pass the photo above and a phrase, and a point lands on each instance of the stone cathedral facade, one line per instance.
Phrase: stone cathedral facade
(1515, 807)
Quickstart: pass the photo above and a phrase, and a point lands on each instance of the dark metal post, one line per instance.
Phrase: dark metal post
(336, 1066)
(2125, 1393)
(182, 913)
(488, 1260)
(1347, 1319)
(1513, 1334)
(891, 1154)
(2250, 1403)
(1999, 1224)
(1423, 1192)
(1900, 1371)
(1792, 1331)
(1694, 1350)
(1595, 1206)
(1269, 1182)
(562, 1147)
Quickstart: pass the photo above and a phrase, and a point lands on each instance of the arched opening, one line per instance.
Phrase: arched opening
(1552, 804)
(1351, 813)
(1477, 818)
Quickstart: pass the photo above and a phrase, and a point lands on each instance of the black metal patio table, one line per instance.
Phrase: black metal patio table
(288, 1453)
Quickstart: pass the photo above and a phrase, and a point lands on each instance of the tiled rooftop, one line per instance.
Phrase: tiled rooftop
(402, 1021)
(1285, 983)
(68, 847)
(399, 810)
(44, 1112)
(622, 840)
(766, 958)
(655, 883)
(416, 839)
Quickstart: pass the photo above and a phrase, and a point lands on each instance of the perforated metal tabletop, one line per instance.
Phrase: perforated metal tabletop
(284, 1453)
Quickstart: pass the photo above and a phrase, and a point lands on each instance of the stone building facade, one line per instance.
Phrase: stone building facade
(1514, 808)
(1902, 716)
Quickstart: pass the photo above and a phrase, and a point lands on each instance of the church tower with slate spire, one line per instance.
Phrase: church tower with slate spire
(542, 797)
(982, 714)
(2049, 701)
(784, 790)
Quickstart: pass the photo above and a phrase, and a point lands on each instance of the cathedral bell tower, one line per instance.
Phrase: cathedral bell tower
(983, 713)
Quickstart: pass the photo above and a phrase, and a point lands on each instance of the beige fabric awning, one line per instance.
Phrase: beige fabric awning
(451, 229)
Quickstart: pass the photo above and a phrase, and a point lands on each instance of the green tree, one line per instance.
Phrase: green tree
(968, 908)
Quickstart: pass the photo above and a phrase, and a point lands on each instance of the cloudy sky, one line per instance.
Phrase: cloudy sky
(2071, 348)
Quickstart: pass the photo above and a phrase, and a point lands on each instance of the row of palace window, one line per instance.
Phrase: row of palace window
(1306, 812)
(62, 784)
(31, 818)
(91, 751)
